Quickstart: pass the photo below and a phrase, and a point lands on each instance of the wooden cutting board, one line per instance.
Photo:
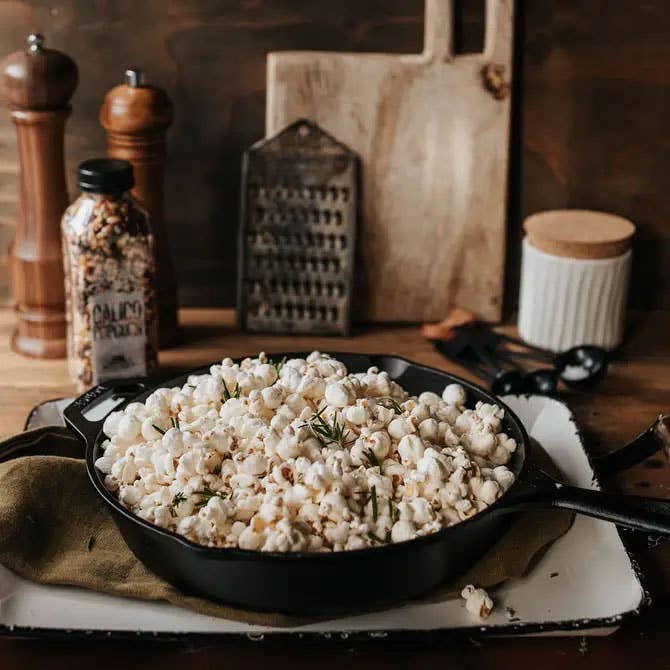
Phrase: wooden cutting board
(434, 143)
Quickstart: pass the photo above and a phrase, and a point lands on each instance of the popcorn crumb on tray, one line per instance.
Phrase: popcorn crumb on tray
(477, 601)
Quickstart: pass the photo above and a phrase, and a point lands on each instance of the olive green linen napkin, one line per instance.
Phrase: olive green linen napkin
(55, 530)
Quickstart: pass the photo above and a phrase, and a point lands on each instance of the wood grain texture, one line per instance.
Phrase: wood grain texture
(210, 58)
(642, 642)
(632, 395)
(38, 84)
(593, 118)
(590, 124)
(434, 147)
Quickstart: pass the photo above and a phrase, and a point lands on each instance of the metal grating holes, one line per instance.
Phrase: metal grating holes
(298, 226)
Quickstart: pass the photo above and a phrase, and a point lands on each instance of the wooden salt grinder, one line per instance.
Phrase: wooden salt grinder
(136, 117)
(38, 85)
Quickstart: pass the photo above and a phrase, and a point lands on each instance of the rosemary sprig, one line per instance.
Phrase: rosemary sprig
(207, 494)
(227, 395)
(330, 432)
(191, 386)
(174, 422)
(178, 499)
(385, 540)
(160, 430)
(373, 498)
(393, 512)
(389, 403)
(277, 365)
(372, 460)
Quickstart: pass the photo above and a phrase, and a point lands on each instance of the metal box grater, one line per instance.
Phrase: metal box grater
(299, 213)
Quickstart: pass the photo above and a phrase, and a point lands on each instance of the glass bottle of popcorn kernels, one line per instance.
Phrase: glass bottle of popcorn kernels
(109, 278)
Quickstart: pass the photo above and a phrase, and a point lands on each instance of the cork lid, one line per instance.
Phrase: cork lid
(37, 78)
(579, 233)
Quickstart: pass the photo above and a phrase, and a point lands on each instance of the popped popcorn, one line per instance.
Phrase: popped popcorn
(301, 455)
(477, 601)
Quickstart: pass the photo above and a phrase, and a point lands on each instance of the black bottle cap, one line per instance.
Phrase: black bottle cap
(105, 175)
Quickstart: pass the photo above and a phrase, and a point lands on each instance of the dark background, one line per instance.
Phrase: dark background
(592, 107)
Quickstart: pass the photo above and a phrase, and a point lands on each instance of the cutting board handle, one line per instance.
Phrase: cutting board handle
(438, 39)
(438, 30)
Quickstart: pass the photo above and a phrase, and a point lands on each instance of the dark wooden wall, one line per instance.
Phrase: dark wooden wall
(591, 112)
(595, 117)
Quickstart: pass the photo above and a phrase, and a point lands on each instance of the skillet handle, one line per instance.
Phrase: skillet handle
(653, 439)
(650, 515)
(120, 392)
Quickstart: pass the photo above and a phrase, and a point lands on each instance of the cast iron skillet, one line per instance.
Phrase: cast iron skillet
(334, 583)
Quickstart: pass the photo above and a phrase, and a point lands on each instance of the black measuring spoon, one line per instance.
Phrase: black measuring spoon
(475, 349)
(543, 381)
(579, 366)
(503, 381)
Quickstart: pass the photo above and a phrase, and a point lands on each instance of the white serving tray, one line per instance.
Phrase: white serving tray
(586, 583)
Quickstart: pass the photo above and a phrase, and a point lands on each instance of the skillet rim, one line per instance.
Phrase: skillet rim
(235, 553)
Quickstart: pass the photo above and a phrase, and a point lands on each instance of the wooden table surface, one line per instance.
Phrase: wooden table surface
(636, 390)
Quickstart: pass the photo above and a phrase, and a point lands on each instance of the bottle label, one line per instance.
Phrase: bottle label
(118, 342)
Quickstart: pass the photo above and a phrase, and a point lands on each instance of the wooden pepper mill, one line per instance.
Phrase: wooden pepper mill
(39, 83)
(136, 117)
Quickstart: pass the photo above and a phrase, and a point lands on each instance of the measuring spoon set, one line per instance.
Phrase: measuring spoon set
(509, 365)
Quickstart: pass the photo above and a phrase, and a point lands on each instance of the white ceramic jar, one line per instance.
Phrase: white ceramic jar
(575, 272)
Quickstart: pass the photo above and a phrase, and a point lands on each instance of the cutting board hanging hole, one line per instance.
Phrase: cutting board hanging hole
(469, 24)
